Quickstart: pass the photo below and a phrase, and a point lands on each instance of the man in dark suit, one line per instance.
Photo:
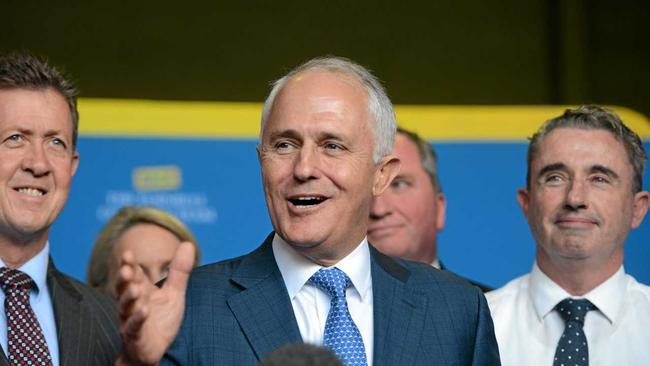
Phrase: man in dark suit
(63, 320)
(325, 152)
(406, 218)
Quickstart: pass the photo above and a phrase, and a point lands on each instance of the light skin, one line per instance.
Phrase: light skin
(153, 248)
(580, 206)
(405, 219)
(319, 179)
(37, 162)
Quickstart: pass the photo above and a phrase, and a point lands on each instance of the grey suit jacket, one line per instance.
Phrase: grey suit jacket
(238, 311)
(86, 322)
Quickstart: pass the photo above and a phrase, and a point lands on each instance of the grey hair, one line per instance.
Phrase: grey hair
(592, 117)
(379, 105)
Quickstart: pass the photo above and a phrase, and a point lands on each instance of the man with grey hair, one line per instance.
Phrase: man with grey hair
(406, 218)
(583, 196)
(325, 152)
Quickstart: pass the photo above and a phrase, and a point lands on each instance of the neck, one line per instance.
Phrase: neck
(578, 276)
(15, 253)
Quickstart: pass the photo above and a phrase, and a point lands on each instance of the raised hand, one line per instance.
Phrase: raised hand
(150, 316)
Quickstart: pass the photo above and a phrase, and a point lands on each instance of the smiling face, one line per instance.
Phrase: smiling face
(318, 173)
(37, 162)
(581, 205)
(405, 219)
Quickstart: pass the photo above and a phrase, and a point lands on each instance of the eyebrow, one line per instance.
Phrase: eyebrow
(604, 170)
(562, 167)
(551, 168)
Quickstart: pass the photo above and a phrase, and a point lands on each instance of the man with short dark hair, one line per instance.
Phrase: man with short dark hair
(51, 319)
(325, 151)
(584, 194)
(406, 218)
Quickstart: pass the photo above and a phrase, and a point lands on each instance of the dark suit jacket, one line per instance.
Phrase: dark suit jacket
(482, 287)
(86, 322)
(238, 311)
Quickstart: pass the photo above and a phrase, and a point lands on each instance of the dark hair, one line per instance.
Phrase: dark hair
(591, 117)
(22, 70)
(428, 157)
(301, 354)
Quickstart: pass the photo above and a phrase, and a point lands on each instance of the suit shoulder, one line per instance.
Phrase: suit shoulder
(87, 294)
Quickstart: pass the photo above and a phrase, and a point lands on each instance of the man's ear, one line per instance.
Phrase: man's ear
(523, 197)
(385, 172)
(441, 210)
(640, 208)
(75, 162)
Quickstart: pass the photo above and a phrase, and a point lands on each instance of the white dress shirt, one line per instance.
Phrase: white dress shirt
(528, 328)
(311, 305)
(39, 299)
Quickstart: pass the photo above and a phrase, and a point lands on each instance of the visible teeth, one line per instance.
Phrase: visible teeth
(306, 201)
(30, 191)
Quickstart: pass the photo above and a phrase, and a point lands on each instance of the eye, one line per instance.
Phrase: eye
(283, 147)
(58, 142)
(15, 139)
(400, 183)
(553, 178)
(600, 179)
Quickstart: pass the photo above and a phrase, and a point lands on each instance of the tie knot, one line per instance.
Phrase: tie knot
(331, 280)
(574, 309)
(12, 279)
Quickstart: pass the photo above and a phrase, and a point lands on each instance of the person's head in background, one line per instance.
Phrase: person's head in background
(151, 234)
(405, 219)
(301, 354)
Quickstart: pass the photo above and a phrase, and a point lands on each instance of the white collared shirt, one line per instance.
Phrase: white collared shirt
(311, 305)
(40, 301)
(528, 328)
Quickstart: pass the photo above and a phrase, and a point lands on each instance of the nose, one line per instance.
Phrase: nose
(380, 206)
(307, 164)
(36, 161)
(576, 195)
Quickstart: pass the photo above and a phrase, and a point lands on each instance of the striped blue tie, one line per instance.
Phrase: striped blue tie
(341, 334)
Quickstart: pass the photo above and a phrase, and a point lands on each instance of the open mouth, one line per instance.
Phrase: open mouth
(34, 192)
(307, 201)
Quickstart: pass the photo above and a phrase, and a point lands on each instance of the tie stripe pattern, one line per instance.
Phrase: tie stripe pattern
(572, 348)
(341, 334)
(26, 343)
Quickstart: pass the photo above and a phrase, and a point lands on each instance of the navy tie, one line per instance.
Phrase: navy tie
(341, 334)
(572, 348)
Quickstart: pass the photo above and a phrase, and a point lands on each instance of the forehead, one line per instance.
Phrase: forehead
(32, 109)
(408, 153)
(319, 96)
(580, 148)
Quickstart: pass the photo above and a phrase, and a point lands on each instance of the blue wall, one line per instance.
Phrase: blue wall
(221, 198)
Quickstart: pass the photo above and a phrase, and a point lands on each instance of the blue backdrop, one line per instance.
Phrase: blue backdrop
(220, 197)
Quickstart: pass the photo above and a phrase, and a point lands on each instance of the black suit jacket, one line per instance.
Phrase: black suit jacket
(86, 322)
(238, 311)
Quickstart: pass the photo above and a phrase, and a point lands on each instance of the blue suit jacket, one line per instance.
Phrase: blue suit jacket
(238, 311)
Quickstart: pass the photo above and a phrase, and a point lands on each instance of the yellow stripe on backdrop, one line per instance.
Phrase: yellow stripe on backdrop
(122, 117)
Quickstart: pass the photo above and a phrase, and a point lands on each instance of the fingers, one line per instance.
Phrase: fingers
(180, 267)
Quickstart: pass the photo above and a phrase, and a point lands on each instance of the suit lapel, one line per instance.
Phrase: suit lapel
(263, 308)
(399, 312)
(75, 339)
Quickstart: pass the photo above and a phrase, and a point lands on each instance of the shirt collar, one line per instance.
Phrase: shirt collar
(36, 267)
(296, 269)
(608, 296)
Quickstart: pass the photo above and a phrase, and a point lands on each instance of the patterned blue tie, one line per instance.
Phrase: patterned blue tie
(341, 334)
(572, 347)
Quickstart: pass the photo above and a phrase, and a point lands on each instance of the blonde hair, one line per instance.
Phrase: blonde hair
(100, 259)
